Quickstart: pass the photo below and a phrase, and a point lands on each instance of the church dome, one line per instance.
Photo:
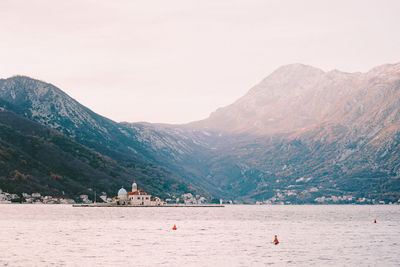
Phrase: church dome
(122, 191)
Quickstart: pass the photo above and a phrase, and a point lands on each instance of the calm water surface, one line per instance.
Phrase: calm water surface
(60, 235)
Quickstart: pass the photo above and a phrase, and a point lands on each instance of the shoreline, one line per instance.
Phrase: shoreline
(100, 205)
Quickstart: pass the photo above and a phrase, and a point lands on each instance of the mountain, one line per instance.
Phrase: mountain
(297, 96)
(60, 120)
(337, 131)
(34, 158)
(301, 135)
(46, 104)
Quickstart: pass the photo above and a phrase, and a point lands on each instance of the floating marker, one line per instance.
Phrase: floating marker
(174, 227)
(375, 221)
(276, 242)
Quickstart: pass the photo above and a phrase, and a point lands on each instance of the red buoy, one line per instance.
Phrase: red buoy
(276, 242)
(375, 221)
(174, 228)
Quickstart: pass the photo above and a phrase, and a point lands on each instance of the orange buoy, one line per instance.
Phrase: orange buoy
(174, 227)
(276, 241)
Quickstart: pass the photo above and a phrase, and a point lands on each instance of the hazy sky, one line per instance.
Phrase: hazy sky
(177, 61)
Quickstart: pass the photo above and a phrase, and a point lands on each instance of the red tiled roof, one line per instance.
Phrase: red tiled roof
(139, 192)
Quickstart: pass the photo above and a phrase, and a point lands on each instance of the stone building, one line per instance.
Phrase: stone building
(136, 198)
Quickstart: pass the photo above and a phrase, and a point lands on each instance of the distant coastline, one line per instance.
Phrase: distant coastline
(110, 205)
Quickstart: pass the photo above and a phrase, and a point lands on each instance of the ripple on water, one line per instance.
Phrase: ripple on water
(233, 236)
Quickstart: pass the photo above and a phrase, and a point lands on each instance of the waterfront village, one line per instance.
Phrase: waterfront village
(139, 197)
(286, 196)
(134, 197)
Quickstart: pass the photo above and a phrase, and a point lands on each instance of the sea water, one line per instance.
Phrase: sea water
(61, 235)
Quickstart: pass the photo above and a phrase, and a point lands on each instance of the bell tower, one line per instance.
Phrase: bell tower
(134, 187)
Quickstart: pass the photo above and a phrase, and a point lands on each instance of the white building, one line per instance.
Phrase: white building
(36, 195)
(85, 199)
(136, 197)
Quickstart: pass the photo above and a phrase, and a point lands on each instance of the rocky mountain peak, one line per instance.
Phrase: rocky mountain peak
(48, 105)
(288, 77)
(297, 68)
(297, 96)
(385, 68)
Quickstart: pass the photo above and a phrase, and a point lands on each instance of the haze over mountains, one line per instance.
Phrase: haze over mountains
(299, 135)
(297, 96)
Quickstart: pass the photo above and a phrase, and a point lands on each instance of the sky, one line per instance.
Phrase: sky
(176, 61)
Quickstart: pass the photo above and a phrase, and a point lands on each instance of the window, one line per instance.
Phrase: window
(147, 198)
(138, 197)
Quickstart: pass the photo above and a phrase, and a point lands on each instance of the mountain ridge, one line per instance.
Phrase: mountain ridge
(48, 106)
(264, 108)
(299, 135)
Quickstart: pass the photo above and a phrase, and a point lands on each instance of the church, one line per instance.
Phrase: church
(136, 198)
